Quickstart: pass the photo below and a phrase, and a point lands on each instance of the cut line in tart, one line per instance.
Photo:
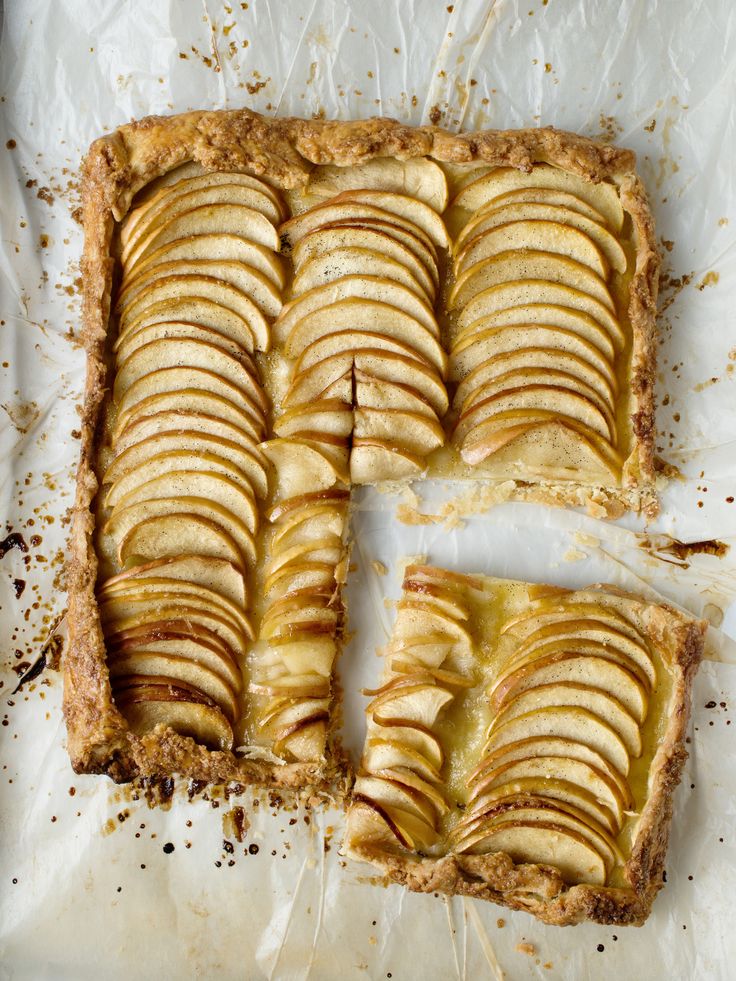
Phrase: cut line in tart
(519, 753)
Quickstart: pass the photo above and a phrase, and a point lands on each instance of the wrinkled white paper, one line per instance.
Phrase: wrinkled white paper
(87, 886)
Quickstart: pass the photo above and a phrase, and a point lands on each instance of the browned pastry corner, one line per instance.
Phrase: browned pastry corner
(286, 153)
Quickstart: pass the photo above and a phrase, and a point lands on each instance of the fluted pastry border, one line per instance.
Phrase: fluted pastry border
(285, 150)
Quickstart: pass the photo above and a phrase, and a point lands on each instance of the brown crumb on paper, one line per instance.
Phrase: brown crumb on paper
(378, 567)
(710, 279)
(526, 948)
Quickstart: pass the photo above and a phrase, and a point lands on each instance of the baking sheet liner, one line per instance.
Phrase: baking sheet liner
(94, 881)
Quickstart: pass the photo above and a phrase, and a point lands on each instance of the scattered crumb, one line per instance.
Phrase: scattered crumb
(526, 948)
(574, 555)
(710, 279)
(500, 923)
(379, 568)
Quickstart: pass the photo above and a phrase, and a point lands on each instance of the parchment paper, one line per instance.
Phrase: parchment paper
(89, 883)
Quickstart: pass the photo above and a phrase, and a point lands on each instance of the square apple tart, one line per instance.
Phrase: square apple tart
(524, 745)
(277, 310)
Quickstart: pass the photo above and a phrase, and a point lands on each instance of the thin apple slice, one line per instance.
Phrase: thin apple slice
(330, 416)
(352, 287)
(417, 177)
(348, 211)
(417, 618)
(439, 597)
(567, 749)
(521, 376)
(404, 370)
(147, 663)
(373, 460)
(409, 209)
(412, 735)
(283, 712)
(408, 778)
(145, 710)
(187, 483)
(316, 655)
(611, 672)
(183, 352)
(281, 624)
(491, 218)
(348, 261)
(171, 535)
(543, 768)
(530, 291)
(379, 827)
(521, 265)
(213, 247)
(194, 192)
(542, 443)
(608, 336)
(386, 754)
(193, 400)
(178, 289)
(220, 217)
(296, 600)
(401, 247)
(304, 741)
(142, 427)
(216, 574)
(594, 699)
(328, 549)
(458, 582)
(602, 196)
(332, 496)
(415, 240)
(202, 653)
(161, 381)
(127, 608)
(420, 704)
(240, 347)
(312, 519)
(311, 685)
(391, 793)
(124, 521)
(557, 609)
(161, 586)
(559, 402)
(568, 723)
(161, 463)
(428, 650)
(545, 196)
(588, 636)
(527, 359)
(250, 281)
(301, 467)
(355, 341)
(541, 236)
(301, 575)
(366, 315)
(419, 434)
(373, 393)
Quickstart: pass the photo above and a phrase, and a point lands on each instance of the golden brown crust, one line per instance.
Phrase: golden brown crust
(539, 889)
(282, 151)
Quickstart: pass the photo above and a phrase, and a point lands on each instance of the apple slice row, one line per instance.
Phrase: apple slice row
(536, 264)
(360, 328)
(399, 800)
(201, 283)
(568, 701)
(303, 573)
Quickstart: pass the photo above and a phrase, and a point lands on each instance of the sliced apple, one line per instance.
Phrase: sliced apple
(221, 217)
(340, 209)
(372, 825)
(216, 574)
(148, 663)
(301, 467)
(567, 749)
(121, 613)
(185, 483)
(160, 381)
(602, 196)
(419, 703)
(353, 342)
(360, 287)
(300, 575)
(193, 401)
(523, 292)
(323, 415)
(310, 524)
(373, 460)
(124, 521)
(366, 315)
(441, 597)
(142, 427)
(602, 703)
(247, 279)
(283, 712)
(568, 723)
(328, 550)
(419, 434)
(217, 188)
(387, 754)
(406, 777)
(559, 402)
(375, 240)
(491, 218)
(555, 609)
(417, 618)
(178, 289)
(545, 196)
(409, 209)
(543, 443)
(183, 352)
(391, 793)
(160, 705)
(176, 533)
(373, 393)
(325, 269)
(527, 264)
(237, 346)
(415, 240)
(213, 247)
(411, 735)
(418, 178)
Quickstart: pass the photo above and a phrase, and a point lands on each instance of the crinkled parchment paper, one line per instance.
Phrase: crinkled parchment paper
(94, 883)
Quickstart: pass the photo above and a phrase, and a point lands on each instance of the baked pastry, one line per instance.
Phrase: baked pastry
(524, 745)
(228, 382)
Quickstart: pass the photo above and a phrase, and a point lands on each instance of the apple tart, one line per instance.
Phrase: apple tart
(276, 310)
(524, 745)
